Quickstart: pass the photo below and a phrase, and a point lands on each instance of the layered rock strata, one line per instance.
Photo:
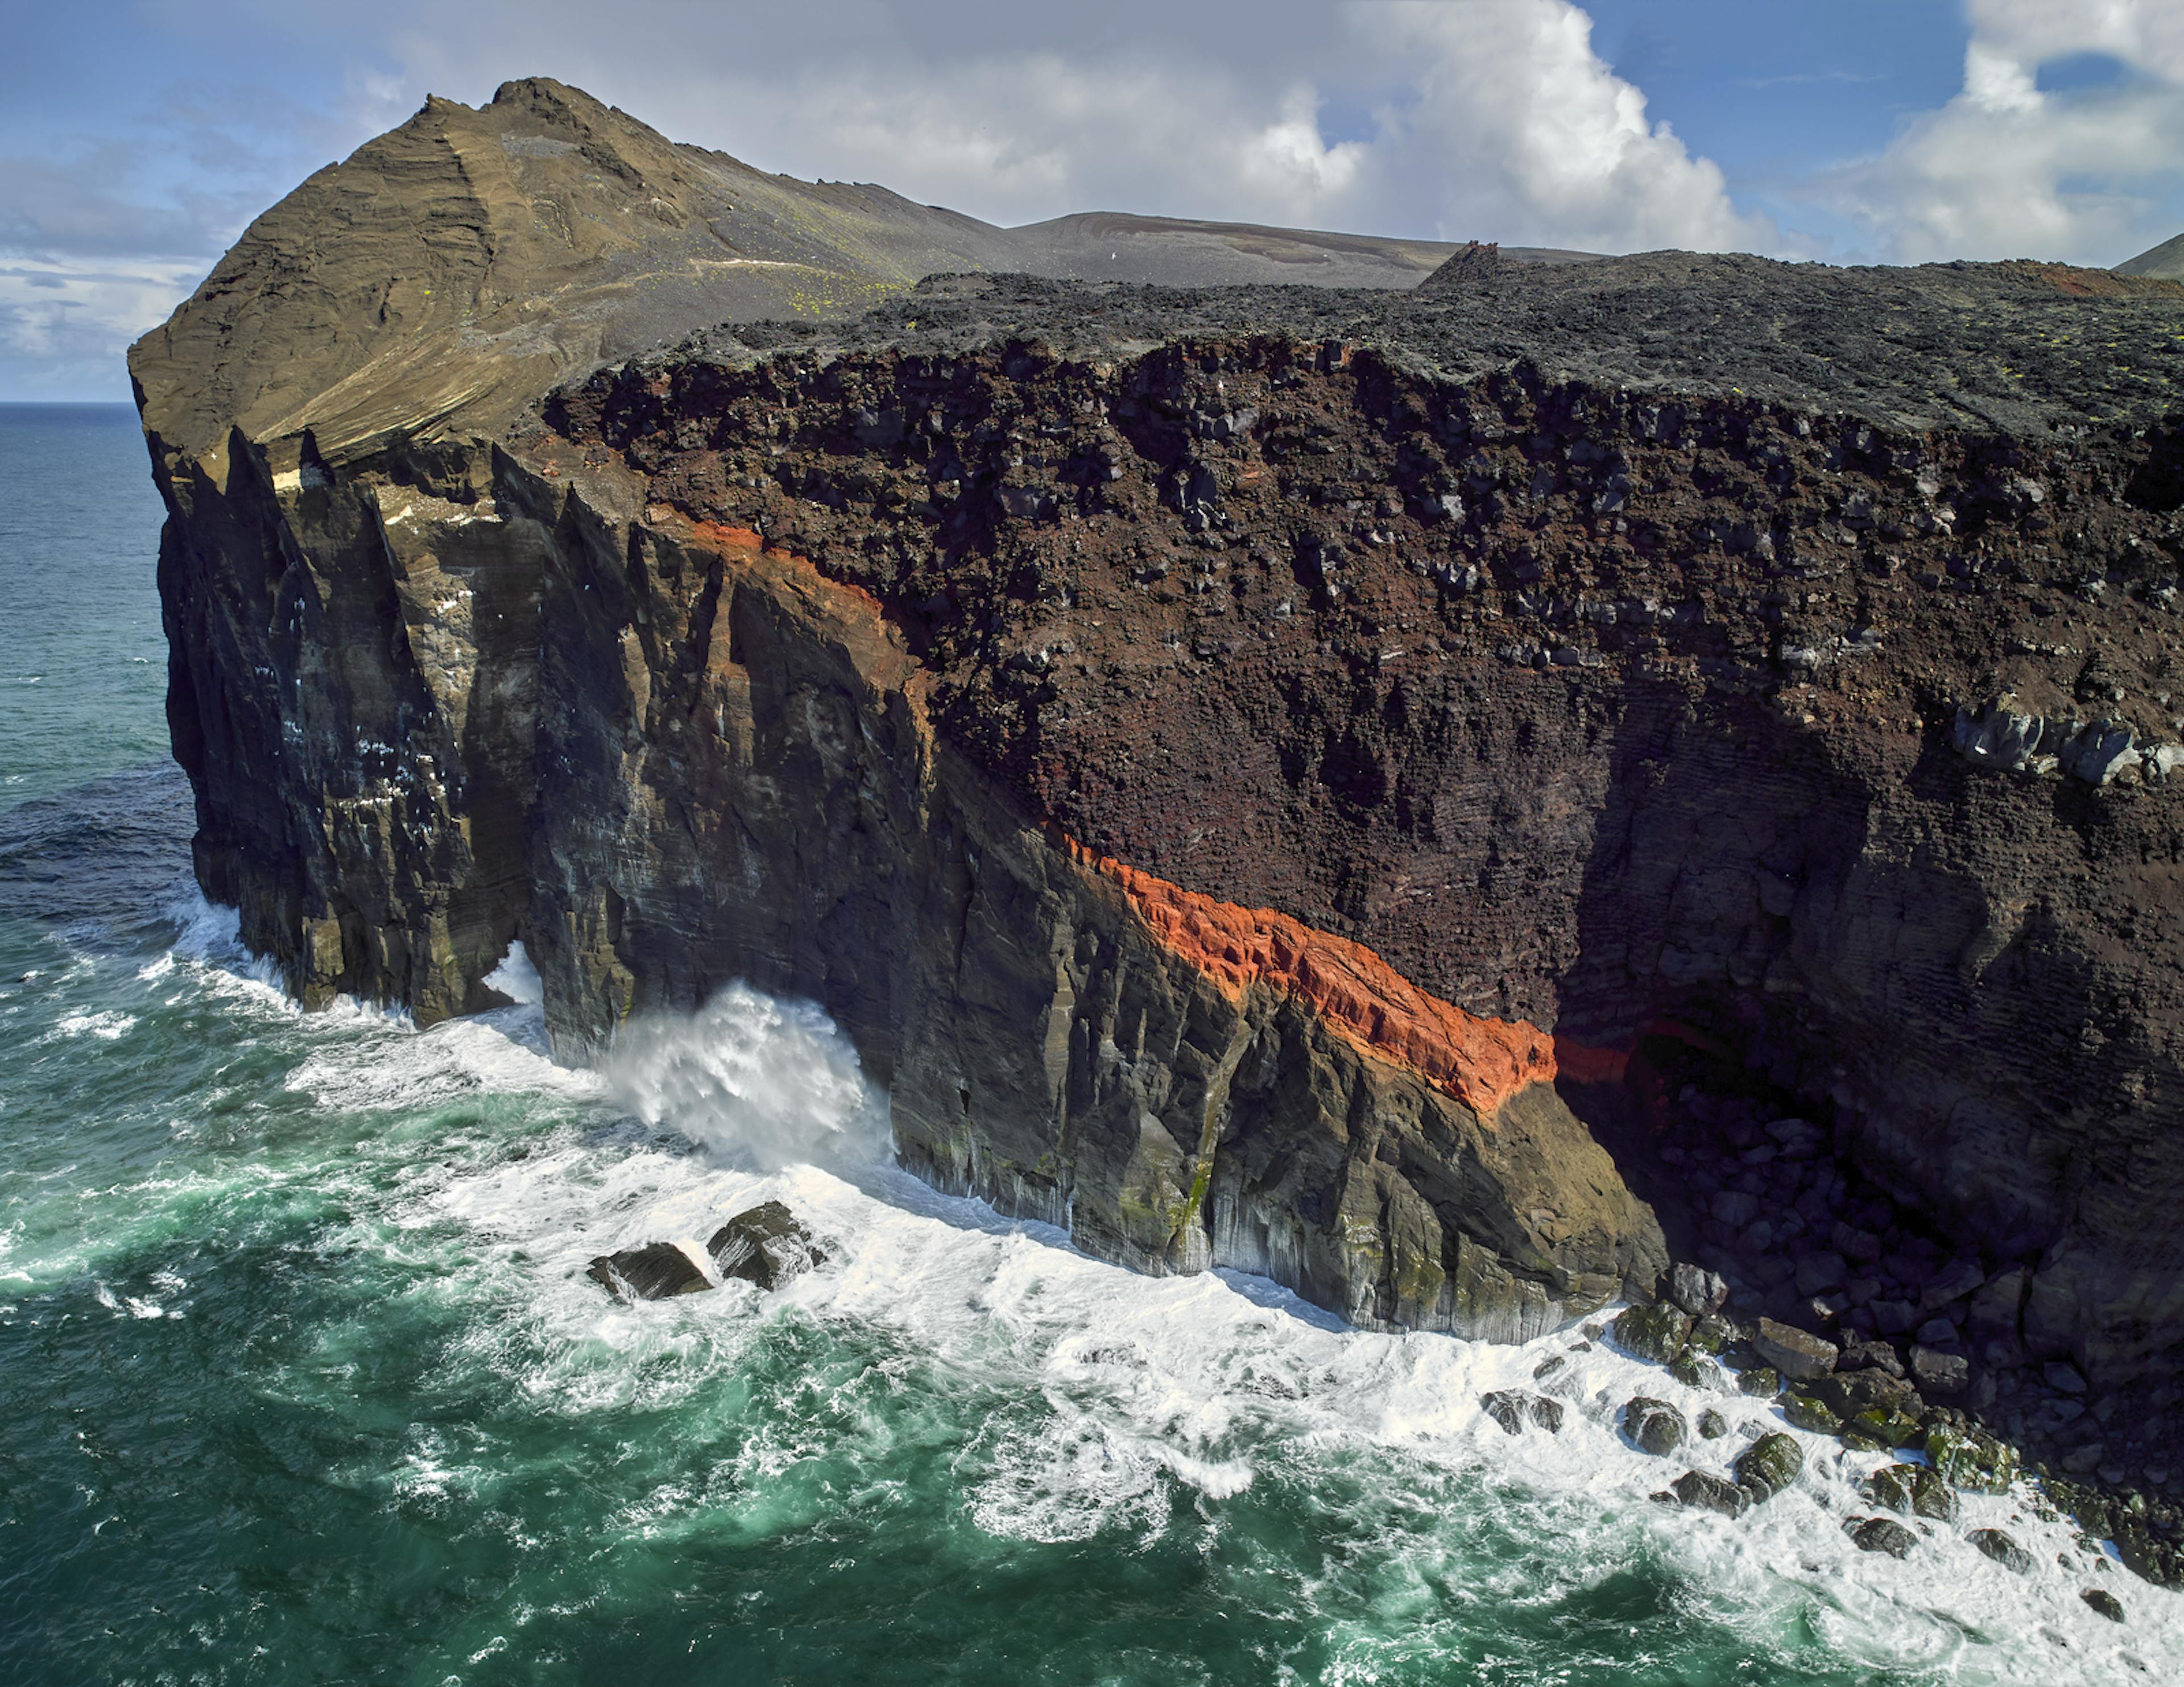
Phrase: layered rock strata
(1247, 769)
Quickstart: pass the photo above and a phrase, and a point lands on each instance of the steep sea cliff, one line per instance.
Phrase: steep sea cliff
(1447, 801)
(304, 1379)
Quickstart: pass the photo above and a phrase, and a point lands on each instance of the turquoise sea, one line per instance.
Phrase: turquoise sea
(301, 1379)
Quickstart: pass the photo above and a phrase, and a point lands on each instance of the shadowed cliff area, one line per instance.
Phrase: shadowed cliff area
(1185, 734)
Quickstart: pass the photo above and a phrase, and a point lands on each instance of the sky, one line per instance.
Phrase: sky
(138, 137)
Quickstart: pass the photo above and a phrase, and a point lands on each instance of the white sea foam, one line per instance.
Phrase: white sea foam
(768, 1082)
(108, 1027)
(1102, 1403)
(1134, 1396)
(516, 978)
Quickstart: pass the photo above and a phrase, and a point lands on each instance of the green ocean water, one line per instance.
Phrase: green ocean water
(301, 1381)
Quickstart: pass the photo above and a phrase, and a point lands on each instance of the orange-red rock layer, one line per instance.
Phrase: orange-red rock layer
(1482, 1062)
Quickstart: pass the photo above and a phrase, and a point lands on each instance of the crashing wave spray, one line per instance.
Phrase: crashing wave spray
(764, 1082)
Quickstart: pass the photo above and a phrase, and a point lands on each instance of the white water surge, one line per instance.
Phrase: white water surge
(1164, 1393)
(1117, 1408)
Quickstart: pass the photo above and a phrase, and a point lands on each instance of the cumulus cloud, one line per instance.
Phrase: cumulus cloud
(2005, 170)
(1519, 131)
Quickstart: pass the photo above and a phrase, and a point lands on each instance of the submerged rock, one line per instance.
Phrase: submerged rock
(765, 1245)
(1713, 1426)
(1769, 1464)
(1656, 1425)
(1513, 1409)
(2105, 1602)
(2004, 1550)
(654, 1271)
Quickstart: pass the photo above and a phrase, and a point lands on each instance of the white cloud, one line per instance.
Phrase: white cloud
(1520, 132)
(2006, 170)
(1497, 120)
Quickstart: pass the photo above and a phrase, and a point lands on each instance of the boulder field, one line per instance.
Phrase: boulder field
(1448, 799)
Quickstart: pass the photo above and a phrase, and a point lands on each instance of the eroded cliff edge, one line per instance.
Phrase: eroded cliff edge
(1241, 764)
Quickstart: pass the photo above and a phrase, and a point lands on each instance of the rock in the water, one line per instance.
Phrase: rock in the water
(1912, 1487)
(652, 1273)
(765, 1245)
(1795, 1354)
(1880, 1534)
(2003, 1549)
(1713, 1493)
(1656, 1425)
(1769, 1464)
(1506, 1408)
(2105, 1602)
(1656, 1332)
(1713, 1426)
(1696, 1370)
(1699, 1292)
(1763, 1380)
(1548, 1366)
(1966, 1459)
(1513, 1409)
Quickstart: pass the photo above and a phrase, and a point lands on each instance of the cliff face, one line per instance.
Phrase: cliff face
(1250, 770)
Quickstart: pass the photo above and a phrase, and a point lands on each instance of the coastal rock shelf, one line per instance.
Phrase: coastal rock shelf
(1331, 783)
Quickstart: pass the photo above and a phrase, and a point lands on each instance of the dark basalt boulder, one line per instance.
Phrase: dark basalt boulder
(654, 1271)
(1795, 1353)
(1849, 1394)
(1809, 1413)
(1656, 1332)
(1966, 1459)
(1763, 1381)
(1713, 1426)
(1656, 1425)
(1938, 1373)
(1882, 1430)
(2003, 1549)
(2105, 1602)
(1880, 1534)
(1913, 1488)
(1769, 1464)
(1698, 1292)
(765, 1245)
(1711, 1493)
